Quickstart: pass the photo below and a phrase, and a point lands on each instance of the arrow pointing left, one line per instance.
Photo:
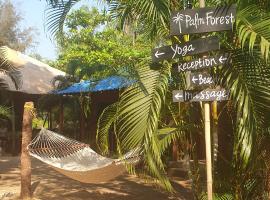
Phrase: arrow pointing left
(194, 79)
(221, 59)
(178, 96)
(157, 54)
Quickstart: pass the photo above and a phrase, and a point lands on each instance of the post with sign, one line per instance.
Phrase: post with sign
(207, 130)
(200, 20)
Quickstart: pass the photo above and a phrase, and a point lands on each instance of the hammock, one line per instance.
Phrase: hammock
(77, 160)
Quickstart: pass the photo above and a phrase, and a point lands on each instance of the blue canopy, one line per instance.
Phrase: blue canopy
(110, 83)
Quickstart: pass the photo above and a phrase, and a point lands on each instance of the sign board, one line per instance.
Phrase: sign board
(202, 20)
(201, 63)
(186, 49)
(201, 79)
(197, 96)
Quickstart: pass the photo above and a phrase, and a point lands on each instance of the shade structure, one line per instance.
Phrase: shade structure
(36, 76)
(109, 83)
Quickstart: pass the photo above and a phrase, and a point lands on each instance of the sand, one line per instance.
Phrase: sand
(48, 184)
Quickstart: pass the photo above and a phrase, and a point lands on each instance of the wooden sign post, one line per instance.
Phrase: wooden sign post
(201, 63)
(201, 79)
(200, 20)
(203, 20)
(207, 130)
(205, 95)
(185, 49)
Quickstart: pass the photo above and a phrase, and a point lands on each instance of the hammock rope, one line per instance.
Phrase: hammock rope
(77, 160)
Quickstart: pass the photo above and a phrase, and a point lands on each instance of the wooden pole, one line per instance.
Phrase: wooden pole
(215, 131)
(25, 157)
(13, 128)
(208, 150)
(207, 130)
(82, 124)
(61, 116)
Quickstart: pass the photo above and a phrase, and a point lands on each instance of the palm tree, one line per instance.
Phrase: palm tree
(248, 77)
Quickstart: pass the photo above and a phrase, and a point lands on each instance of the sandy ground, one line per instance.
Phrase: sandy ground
(48, 184)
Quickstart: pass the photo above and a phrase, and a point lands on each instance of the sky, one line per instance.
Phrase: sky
(32, 12)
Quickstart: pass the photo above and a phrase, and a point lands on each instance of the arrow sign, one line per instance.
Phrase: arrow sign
(201, 79)
(157, 54)
(202, 20)
(186, 49)
(201, 63)
(197, 96)
(178, 96)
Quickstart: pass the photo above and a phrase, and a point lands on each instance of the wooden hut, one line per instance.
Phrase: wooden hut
(36, 80)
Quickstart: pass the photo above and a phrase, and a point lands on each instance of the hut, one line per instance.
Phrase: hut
(36, 80)
(102, 93)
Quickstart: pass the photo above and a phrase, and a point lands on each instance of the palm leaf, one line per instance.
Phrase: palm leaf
(106, 120)
(248, 79)
(56, 14)
(9, 68)
(153, 14)
(253, 28)
(136, 116)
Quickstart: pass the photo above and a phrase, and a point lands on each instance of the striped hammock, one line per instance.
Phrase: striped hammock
(77, 160)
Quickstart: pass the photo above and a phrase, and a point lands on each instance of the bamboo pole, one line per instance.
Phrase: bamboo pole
(207, 130)
(208, 150)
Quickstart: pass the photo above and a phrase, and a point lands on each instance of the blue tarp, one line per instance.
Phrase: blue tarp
(110, 83)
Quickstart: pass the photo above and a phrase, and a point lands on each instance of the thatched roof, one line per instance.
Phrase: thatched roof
(36, 76)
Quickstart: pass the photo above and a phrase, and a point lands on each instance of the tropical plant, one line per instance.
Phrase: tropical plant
(12, 35)
(247, 76)
(92, 48)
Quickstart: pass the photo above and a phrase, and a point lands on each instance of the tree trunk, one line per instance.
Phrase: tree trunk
(25, 157)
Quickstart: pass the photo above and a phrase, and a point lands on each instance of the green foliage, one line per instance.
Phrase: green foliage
(11, 34)
(91, 47)
(218, 197)
(5, 112)
(138, 118)
(253, 27)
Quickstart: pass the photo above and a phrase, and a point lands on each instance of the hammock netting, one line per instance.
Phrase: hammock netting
(77, 160)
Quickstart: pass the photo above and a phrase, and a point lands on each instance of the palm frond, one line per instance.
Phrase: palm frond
(248, 79)
(218, 197)
(6, 56)
(154, 15)
(56, 14)
(136, 116)
(253, 28)
(9, 68)
(106, 120)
